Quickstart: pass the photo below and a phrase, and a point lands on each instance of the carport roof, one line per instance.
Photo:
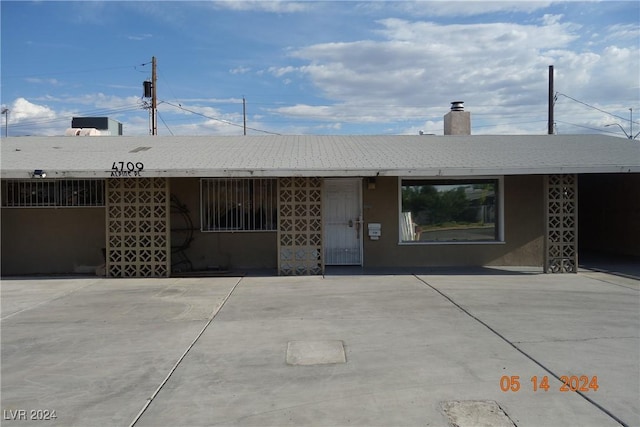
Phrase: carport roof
(271, 156)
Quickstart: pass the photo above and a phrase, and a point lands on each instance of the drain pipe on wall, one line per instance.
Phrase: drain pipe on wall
(175, 366)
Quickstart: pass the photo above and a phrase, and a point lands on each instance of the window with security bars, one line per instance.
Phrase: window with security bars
(42, 193)
(239, 204)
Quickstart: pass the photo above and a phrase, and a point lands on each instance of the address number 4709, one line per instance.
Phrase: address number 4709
(127, 166)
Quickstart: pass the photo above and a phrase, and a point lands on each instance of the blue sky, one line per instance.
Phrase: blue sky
(340, 67)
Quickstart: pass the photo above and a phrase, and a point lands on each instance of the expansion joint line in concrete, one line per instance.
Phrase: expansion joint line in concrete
(175, 366)
(626, 276)
(47, 301)
(587, 398)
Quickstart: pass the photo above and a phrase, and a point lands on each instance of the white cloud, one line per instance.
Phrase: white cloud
(579, 65)
(23, 110)
(137, 125)
(107, 103)
(493, 67)
(43, 116)
(26, 117)
(400, 77)
(475, 37)
(281, 71)
(273, 6)
(139, 37)
(301, 110)
(202, 120)
(98, 100)
(624, 32)
(35, 80)
(548, 19)
(456, 8)
(240, 70)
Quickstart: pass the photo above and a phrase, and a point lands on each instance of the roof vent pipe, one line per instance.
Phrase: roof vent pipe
(457, 106)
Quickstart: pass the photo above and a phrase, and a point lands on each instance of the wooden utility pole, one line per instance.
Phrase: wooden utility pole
(154, 97)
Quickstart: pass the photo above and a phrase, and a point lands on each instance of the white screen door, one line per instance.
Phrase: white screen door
(342, 221)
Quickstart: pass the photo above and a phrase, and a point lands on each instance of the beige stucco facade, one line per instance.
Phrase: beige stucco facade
(52, 241)
(72, 240)
(219, 250)
(523, 228)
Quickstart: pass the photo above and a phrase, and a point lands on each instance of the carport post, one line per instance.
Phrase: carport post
(561, 223)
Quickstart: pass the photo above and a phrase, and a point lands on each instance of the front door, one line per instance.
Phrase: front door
(342, 221)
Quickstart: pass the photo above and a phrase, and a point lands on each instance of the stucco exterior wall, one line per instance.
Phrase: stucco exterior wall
(523, 229)
(609, 213)
(52, 241)
(216, 249)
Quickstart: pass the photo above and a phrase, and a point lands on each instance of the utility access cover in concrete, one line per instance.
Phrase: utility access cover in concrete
(315, 352)
(475, 413)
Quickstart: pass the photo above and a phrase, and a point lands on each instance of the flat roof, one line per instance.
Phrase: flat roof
(324, 156)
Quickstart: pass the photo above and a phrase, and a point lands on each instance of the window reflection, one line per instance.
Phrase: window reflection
(449, 211)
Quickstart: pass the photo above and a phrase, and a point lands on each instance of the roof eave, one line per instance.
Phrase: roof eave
(274, 173)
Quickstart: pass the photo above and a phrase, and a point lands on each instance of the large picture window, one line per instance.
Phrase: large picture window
(450, 210)
(42, 193)
(239, 204)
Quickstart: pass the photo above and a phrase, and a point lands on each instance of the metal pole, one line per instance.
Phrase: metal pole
(631, 123)
(244, 114)
(154, 98)
(5, 111)
(550, 122)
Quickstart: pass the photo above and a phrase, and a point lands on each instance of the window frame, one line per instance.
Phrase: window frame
(205, 205)
(57, 193)
(500, 238)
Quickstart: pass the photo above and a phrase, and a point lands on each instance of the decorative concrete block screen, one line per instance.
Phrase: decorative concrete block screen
(138, 231)
(300, 226)
(561, 243)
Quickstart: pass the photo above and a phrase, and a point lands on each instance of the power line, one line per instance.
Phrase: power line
(509, 123)
(58, 73)
(166, 82)
(36, 122)
(587, 127)
(165, 123)
(180, 107)
(595, 108)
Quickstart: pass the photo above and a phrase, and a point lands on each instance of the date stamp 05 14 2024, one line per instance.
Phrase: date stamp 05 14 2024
(29, 414)
(582, 383)
(508, 383)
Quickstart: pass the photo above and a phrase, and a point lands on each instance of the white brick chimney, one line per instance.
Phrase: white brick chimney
(457, 121)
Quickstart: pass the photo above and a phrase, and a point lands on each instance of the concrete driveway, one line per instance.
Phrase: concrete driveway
(383, 350)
